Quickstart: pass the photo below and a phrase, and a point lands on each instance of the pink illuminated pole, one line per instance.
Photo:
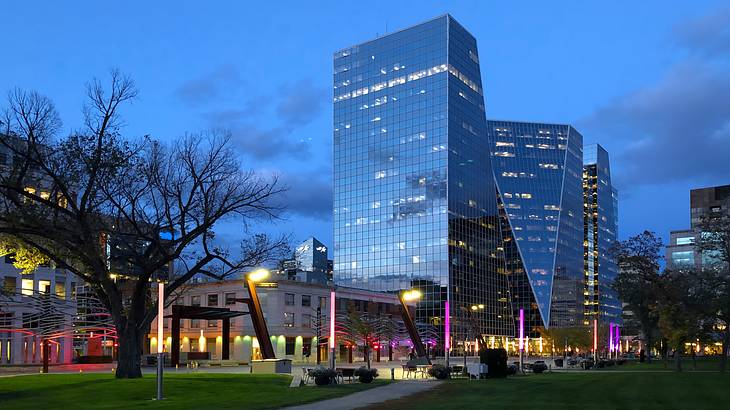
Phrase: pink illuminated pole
(447, 334)
(522, 339)
(332, 329)
(160, 336)
(595, 339)
(610, 339)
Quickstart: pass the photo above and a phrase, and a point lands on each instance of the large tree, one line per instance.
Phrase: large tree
(682, 309)
(714, 246)
(638, 280)
(117, 212)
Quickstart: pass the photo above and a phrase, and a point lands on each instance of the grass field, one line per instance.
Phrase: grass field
(688, 364)
(579, 390)
(182, 391)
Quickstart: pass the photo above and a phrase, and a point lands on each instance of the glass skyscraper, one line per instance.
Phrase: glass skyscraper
(538, 170)
(600, 231)
(414, 196)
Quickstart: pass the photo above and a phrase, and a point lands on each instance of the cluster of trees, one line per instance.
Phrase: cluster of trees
(69, 198)
(683, 305)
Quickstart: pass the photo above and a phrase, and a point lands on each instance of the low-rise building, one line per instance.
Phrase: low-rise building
(33, 307)
(296, 313)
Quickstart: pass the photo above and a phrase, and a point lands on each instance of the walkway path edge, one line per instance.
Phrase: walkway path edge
(370, 396)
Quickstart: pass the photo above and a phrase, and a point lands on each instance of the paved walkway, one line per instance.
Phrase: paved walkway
(371, 396)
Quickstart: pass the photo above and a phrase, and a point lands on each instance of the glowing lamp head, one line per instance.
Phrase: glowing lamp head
(258, 275)
(474, 307)
(412, 295)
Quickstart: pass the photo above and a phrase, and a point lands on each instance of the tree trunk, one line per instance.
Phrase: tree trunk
(725, 342)
(678, 359)
(129, 361)
(367, 354)
(647, 347)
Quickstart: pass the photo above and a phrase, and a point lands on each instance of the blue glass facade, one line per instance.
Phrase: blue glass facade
(600, 231)
(414, 197)
(538, 170)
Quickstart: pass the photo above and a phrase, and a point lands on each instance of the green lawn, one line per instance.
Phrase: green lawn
(584, 391)
(182, 391)
(688, 364)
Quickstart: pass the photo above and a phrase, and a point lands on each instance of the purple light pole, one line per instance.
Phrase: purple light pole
(447, 334)
(610, 339)
(522, 339)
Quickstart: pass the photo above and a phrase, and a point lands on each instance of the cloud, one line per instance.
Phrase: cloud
(211, 86)
(286, 110)
(678, 128)
(709, 34)
(268, 144)
(302, 103)
(308, 194)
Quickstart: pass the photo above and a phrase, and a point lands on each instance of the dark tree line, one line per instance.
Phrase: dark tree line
(683, 305)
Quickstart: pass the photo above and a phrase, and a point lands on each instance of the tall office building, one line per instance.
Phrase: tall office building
(600, 232)
(538, 170)
(414, 196)
(682, 253)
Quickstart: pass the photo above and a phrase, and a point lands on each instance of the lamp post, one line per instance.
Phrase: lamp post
(522, 340)
(160, 336)
(447, 334)
(257, 315)
(595, 340)
(408, 296)
(332, 330)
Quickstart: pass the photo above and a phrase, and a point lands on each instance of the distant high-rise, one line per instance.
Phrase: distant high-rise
(600, 231)
(311, 256)
(414, 197)
(538, 170)
(681, 251)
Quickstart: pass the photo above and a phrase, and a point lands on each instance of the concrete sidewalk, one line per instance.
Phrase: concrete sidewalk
(371, 396)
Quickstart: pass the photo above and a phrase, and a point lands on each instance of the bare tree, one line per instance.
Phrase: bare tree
(118, 212)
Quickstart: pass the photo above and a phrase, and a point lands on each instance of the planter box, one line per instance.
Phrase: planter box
(271, 366)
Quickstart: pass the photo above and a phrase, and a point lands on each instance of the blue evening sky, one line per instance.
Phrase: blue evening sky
(649, 80)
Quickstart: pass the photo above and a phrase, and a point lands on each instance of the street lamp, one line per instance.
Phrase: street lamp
(258, 275)
(257, 315)
(409, 296)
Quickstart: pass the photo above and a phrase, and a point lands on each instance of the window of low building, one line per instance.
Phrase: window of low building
(26, 286)
(44, 287)
(60, 288)
(289, 299)
(291, 344)
(288, 319)
(10, 285)
(230, 299)
(213, 300)
(306, 300)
